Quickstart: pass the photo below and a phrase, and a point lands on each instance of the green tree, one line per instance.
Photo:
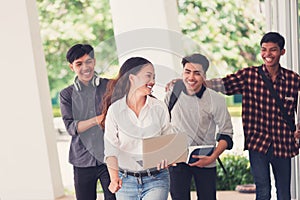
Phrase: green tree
(64, 23)
(227, 31)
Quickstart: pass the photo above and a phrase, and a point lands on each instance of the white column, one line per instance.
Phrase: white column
(149, 29)
(282, 16)
(277, 15)
(29, 167)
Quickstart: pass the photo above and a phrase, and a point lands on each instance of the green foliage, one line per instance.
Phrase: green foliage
(64, 23)
(56, 111)
(235, 110)
(99, 187)
(238, 172)
(227, 31)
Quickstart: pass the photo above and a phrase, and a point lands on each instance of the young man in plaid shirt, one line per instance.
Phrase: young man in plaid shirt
(268, 137)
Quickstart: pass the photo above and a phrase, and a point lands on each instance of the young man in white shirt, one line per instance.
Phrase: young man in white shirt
(197, 113)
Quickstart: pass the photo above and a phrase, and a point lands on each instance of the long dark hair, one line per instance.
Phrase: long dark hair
(119, 87)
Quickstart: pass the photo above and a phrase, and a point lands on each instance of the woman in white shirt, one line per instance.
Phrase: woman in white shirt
(130, 115)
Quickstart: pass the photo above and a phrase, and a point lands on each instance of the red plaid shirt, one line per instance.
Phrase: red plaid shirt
(262, 120)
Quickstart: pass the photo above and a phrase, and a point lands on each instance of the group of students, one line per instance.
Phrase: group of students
(108, 119)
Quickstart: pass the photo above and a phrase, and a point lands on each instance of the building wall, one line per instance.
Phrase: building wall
(29, 163)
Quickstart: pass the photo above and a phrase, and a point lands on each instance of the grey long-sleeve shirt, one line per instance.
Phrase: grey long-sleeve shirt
(199, 116)
(87, 148)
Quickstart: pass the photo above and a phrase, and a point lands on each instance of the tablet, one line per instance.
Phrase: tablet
(202, 150)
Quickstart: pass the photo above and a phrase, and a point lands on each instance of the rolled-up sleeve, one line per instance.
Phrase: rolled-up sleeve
(223, 120)
(66, 111)
(111, 139)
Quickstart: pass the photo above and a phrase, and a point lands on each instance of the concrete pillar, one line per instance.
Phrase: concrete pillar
(29, 167)
(149, 29)
(282, 16)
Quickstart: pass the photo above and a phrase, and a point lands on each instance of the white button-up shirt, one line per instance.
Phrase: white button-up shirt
(124, 131)
(199, 118)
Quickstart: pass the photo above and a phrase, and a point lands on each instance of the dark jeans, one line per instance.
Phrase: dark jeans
(181, 177)
(86, 179)
(260, 169)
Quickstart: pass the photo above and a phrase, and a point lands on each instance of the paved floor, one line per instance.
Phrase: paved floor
(221, 195)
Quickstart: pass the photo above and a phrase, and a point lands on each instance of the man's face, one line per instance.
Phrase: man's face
(193, 77)
(270, 53)
(84, 68)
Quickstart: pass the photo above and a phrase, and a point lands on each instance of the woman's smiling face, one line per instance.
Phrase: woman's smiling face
(144, 80)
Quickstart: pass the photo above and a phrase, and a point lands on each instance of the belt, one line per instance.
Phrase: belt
(143, 173)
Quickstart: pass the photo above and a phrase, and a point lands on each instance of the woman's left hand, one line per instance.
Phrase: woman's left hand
(162, 165)
(115, 185)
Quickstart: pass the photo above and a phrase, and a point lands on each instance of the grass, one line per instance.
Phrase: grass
(56, 111)
(235, 110)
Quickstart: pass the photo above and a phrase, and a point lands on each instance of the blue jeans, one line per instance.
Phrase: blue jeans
(260, 169)
(146, 188)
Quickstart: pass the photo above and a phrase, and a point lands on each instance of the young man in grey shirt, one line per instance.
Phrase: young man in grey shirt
(80, 105)
(197, 113)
